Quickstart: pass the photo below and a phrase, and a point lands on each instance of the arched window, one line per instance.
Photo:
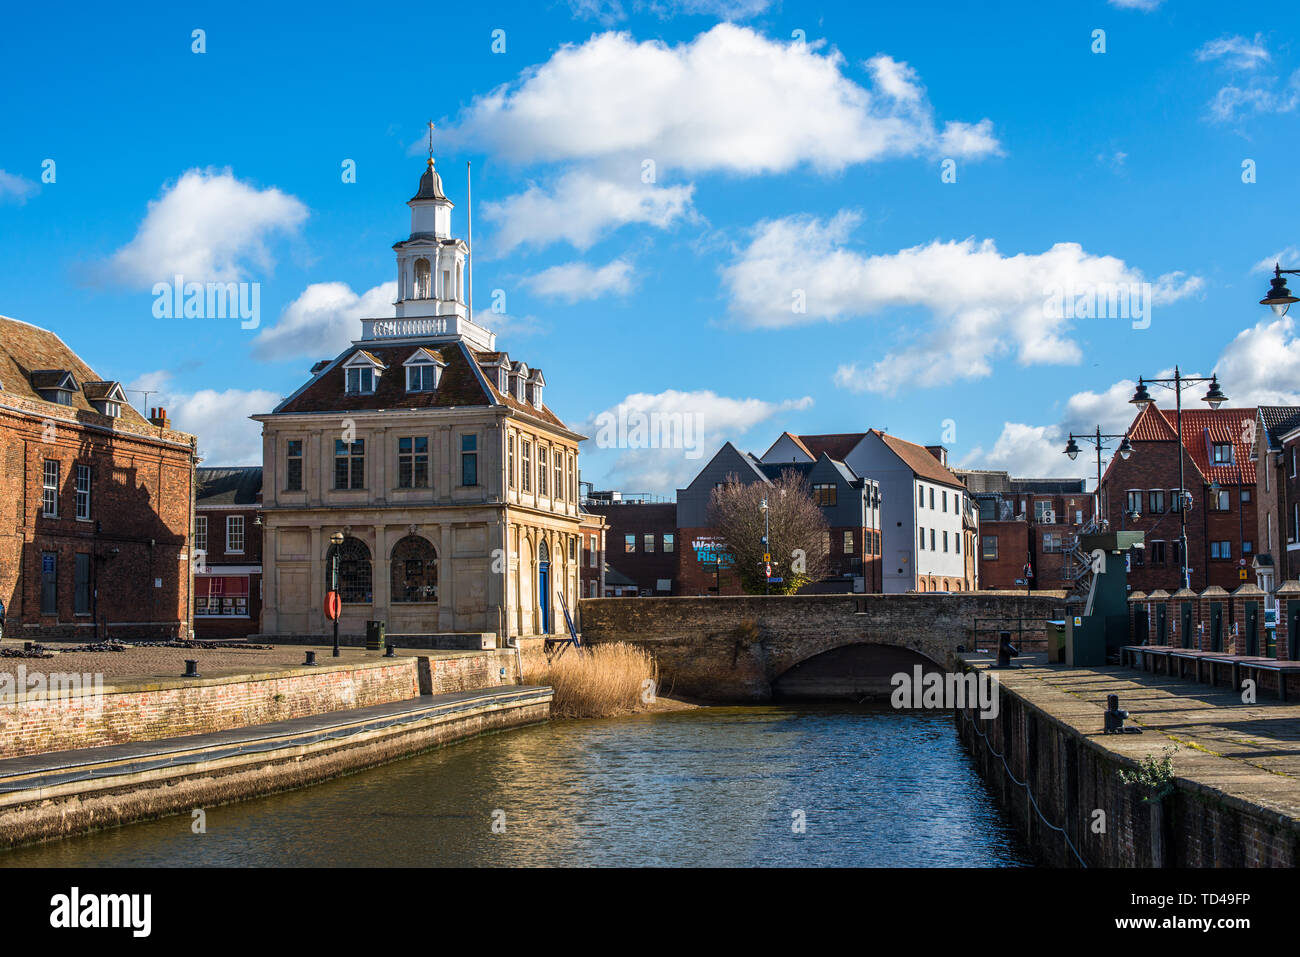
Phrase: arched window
(422, 278)
(354, 571)
(415, 570)
(542, 554)
(921, 584)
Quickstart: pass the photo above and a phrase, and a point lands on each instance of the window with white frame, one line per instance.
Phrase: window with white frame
(50, 489)
(235, 533)
(83, 492)
(201, 533)
(361, 381)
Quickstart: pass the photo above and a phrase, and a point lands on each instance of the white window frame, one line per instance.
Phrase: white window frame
(50, 489)
(233, 523)
(83, 494)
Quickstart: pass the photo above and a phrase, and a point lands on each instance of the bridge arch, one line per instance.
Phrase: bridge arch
(860, 670)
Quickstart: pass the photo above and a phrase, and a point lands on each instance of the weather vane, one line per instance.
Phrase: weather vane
(431, 142)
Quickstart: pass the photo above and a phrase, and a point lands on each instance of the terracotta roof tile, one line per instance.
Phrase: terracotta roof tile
(837, 445)
(919, 460)
(1203, 429)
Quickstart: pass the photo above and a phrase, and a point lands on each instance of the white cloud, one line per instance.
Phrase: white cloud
(576, 281)
(323, 320)
(701, 420)
(1236, 52)
(1146, 6)
(981, 304)
(1260, 366)
(581, 208)
(220, 419)
(15, 188)
(1289, 255)
(729, 100)
(610, 12)
(209, 227)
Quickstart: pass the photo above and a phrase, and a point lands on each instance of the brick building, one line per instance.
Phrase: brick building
(641, 539)
(850, 505)
(1277, 490)
(1026, 521)
(228, 552)
(95, 501)
(591, 571)
(1141, 493)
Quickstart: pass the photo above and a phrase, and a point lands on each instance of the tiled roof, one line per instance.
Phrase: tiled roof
(228, 486)
(920, 461)
(837, 446)
(1202, 429)
(25, 349)
(1279, 420)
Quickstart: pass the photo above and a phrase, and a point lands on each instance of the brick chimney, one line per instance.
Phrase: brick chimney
(940, 453)
(159, 418)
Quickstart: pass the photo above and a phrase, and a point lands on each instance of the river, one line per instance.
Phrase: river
(781, 785)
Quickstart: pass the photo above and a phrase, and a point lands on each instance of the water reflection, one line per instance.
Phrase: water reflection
(719, 786)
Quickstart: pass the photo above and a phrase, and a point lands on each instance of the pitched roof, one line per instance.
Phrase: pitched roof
(460, 385)
(1279, 420)
(228, 486)
(837, 445)
(1203, 429)
(26, 349)
(920, 461)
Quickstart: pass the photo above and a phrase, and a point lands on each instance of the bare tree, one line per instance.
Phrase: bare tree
(798, 537)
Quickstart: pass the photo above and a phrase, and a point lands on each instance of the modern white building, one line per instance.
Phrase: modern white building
(927, 525)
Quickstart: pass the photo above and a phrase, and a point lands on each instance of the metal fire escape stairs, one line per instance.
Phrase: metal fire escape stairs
(1079, 568)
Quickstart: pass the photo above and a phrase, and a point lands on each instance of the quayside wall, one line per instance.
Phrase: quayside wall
(1057, 775)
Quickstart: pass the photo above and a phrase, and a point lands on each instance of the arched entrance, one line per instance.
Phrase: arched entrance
(543, 587)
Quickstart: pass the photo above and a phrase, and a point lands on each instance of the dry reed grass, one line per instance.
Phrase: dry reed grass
(599, 681)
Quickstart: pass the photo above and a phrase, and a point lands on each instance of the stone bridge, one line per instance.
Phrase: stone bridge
(756, 648)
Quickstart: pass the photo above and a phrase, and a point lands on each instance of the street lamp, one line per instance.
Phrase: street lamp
(1097, 439)
(1279, 297)
(1214, 397)
(337, 541)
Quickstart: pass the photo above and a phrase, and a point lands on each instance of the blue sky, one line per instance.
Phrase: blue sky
(782, 170)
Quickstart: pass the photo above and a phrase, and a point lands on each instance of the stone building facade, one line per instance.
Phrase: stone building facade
(96, 502)
(453, 486)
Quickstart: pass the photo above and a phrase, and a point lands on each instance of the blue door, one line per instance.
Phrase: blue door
(544, 594)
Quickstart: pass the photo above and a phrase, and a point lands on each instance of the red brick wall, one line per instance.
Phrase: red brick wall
(1013, 549)
(137, 534)
(147, 714)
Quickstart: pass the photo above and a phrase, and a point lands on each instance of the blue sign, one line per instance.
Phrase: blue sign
(47, 563)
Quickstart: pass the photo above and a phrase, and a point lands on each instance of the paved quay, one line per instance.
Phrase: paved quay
(146, 664)
(1264, 735)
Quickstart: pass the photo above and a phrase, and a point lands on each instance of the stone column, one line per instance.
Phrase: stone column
(446, 581)
(316, 587)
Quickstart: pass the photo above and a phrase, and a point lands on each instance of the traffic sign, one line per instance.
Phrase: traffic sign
(333, 605)
(1241, 573)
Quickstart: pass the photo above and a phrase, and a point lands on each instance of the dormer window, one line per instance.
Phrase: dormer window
(54, 385)
(423, 371)
(1221, 453)
(535, 382)
(518, 380)
(361, 381)
(361, 374)
(107, 398)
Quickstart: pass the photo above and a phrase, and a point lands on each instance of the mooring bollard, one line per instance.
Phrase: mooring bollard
(1114, 718)
(311, 658)
(191, 668)
(1006, 650)
(390, 651)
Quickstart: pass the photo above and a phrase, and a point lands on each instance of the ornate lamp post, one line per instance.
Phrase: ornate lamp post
(1279, 297)
(1097, 439)
(337, 541)
(1215, 398)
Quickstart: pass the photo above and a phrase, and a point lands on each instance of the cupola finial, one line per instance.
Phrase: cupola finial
(431, 143)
